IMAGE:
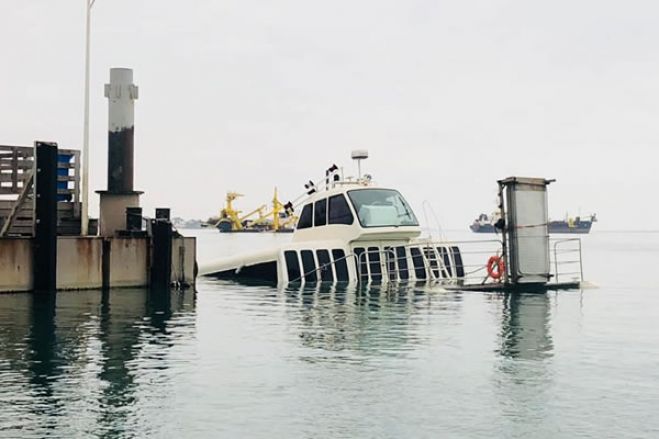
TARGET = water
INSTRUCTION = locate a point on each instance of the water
(239, 361)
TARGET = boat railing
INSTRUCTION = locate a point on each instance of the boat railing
(443, 262)
(448, 262)
(567, 260)
(459, 262)
(385, 256)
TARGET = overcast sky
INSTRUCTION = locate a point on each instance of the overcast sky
(448, 96)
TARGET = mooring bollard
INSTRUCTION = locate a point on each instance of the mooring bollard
(45, 219)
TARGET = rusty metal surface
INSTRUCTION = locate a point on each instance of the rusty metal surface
(120, 160)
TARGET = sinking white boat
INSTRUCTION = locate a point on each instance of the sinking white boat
(348, 230)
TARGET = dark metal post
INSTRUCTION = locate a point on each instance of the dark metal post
(504, 234)
(163, 213)
(105, 263)
(161, 266)
(45, 219)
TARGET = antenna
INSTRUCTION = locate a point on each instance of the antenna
(359, 155)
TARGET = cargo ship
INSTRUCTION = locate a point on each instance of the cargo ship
(494, 224)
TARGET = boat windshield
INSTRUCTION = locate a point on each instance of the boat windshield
(382, 208)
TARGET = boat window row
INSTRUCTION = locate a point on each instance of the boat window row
(332, 210)
(322, 265)
(375, 264)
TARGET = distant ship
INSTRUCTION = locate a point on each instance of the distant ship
(493, 224)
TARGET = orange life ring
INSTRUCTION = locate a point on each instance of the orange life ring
(495, 267)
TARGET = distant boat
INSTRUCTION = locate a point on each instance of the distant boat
(493, 224)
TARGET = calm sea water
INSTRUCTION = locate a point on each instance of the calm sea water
(240, 361)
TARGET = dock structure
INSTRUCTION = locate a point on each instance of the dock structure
(17, 191)
(41, 248)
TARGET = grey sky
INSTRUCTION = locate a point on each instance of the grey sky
(447, 97)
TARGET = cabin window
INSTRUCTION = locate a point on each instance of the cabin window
(292, 265)
(417, 260)
(324, 266)
(306, 219)
(320, 212)
(401, 256)
(340, 265)
(339, 211)
(309, 265)
(382, 208)
(374, 263)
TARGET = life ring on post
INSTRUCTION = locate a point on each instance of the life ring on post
(495, 267)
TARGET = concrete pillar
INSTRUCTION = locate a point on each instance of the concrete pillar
(121, 94)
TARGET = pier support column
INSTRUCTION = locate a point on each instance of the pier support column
(121, 94)
(45, 219)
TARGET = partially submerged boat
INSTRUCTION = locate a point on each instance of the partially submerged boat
(350, 230)
(353, 230)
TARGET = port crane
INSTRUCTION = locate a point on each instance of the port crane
(275, 213)
(231, 219)
(232, 216)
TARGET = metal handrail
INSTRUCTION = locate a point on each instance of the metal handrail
(580, 260)
(366, 252)
(449, 244)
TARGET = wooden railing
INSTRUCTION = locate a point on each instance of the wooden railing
(16, 190)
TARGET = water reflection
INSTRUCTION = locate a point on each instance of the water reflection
(131, 322)
(379, 320)
(41, 355)
(41, 358)
(385, 318)
(525, 326)
(119, 338)
(77, 345)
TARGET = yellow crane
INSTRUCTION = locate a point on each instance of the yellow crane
(278, 223)
(230, 218)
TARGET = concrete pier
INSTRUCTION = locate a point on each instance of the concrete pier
(123, 255)
(80, 263)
